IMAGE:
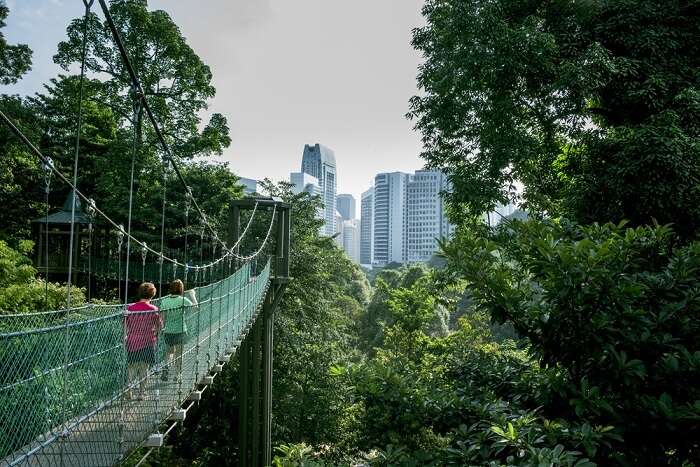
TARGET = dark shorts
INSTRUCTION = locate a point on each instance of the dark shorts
(145, 355)
(175, 339)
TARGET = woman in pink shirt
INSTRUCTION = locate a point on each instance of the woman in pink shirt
(142, 323)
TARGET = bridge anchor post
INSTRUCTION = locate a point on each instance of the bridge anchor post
(256, 352)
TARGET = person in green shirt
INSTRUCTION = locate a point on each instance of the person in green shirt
(174, 309)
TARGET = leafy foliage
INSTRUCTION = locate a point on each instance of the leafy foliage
(175, 81)
(15, 60)
(615, 309)
(21, 291)
(592, 106)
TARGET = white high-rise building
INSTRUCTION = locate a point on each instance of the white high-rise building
(366, 222)
(351, 239)
(250, 185)
(305, 183)
(426, 220)
(389, 232)
(346, 206)
(319, 161)
(338, 235)
(408, 217)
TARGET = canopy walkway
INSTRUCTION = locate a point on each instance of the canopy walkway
(66, 384)
(64, 398)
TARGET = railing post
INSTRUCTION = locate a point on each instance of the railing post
(268, 318)
(255, 396)
(243, 406)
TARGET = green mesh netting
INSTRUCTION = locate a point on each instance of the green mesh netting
(65, 385)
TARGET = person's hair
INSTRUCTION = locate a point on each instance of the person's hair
(177, 287)
(147, 290)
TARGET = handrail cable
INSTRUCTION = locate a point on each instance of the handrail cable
(47, 161)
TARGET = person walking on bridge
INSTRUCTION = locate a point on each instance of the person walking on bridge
(174, 309)
(142, 323)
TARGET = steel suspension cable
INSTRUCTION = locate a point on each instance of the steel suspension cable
(47, 189)
(69, 282)
(264, 243)
(46, 160)
(134, 150)
(79, 128)
(162, 230)
(136, 83)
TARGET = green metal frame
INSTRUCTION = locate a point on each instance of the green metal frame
(256, 354)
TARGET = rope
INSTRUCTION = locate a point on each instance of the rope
(47, 189)
(136, 83)
(134, 150)
(76, 158)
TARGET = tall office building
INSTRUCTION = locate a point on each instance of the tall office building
(250, 185)
(426, 221)
(338, 234)
(366, 222)
(305, 183)
(351, 239)
(346, 206)
(408, 217)
(319, 161)
(389, 217)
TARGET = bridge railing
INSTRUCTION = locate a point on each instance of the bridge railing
(65, 385)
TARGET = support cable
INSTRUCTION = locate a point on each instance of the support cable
(159, 134)
(264, 243)
(162, 230)
(78, 132)
(134, 150)
(69, 282)
(47, 166)
(46, 161)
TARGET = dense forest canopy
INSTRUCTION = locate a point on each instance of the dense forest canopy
(569, 339)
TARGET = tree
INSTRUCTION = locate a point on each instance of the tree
(22, 292)
(175, 81)
(593, 106)
(17, 167)
(314, 334)
(15, 60)
(21, 178)
(614, 311)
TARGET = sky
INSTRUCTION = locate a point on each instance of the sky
(334, 72)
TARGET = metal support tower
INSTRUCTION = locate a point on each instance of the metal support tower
(256, 352)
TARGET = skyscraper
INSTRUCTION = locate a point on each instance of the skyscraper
(250, 185)
(366, 222)
(346, 206)
(389, 217)
(319, 161)
(351, 239)
(426, 221)
(408, 217)
(303, 182)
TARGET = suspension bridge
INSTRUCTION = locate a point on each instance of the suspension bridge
(66, 389)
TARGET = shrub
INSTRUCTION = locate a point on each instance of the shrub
(616, 310)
